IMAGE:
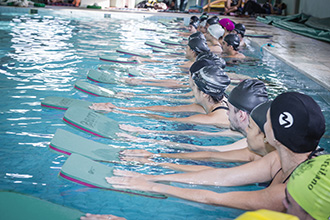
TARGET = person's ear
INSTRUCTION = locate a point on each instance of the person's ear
(243, 116)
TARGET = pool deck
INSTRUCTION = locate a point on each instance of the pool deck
(307, 55)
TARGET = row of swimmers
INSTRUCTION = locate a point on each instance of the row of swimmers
(280, 145)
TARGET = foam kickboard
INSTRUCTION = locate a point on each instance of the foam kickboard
(158, 50)
(94, 89)
(129, 52)
(102, 76)
(65, 142)
(92, 122)
(157, 45)
(16, 206)
(116, 59)
(63, 103)
(84, 171)
(170, 42)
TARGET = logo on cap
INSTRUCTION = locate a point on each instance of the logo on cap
(285, 119)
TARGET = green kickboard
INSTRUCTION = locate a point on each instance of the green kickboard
(92, 122)
(93, 89)
(63, 103)
(170, 42)
(65, 142)
(102, 76)
(112, 68)
(157, 50)
(134, 72)
(153, 44)
(130, 52)
(17, 206)
(84, 171)
(117, 59)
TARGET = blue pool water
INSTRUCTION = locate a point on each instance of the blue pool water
(43, 55)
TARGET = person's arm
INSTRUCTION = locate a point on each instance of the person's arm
(173, 166)
(241, 155)
(107, 106)
(269, 198)
(184, 146)
(169, 83)
(216, 49)
(204, 119)
(235, 176)
(226, 133)
(142, 59)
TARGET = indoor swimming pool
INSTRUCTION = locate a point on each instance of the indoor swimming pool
(44, 55)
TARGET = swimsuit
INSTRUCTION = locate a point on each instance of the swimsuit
(220, 107)
(312, 154)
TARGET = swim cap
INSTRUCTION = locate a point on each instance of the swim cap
(240, 29)
(204, 17)
(309, 186)
(232, 40)
(211, 80)
(216, 31)
(194, 19)
(197, 35)
(197, 43)
(259, 113)
(264, 214)
(194, 23)
(227, 24)
(213, 20)
(212, 58)
(297, 121)
(248, 94)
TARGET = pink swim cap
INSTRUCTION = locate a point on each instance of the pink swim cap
(227, 24)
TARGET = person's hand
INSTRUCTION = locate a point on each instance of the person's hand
(140, 160)
(137, 153)
(133, 81)
(101, 217)
(131, 128)
(136, 58)
(106, 106)
(125, 95)
(133, 183)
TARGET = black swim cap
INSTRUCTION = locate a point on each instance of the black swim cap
(233, 40)
(194, 19)
(297, 121)
(197, 35)
(197, 43)
(211, 80)
(213, 20)
(203, 17)
(218, 61)
(240, 29)
(259, 114)
(248, 94)
(195, 24)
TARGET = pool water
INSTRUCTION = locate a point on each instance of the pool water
(44, 55)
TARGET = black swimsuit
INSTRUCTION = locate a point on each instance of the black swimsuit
(220, 107)
(312, 154)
